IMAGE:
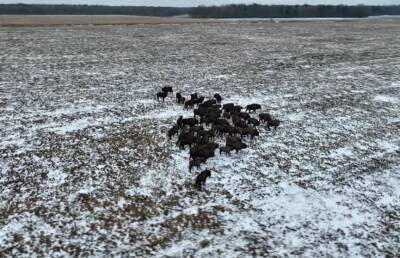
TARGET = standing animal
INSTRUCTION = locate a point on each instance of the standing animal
(193, 96)
(253, 107)
(195, 163)
(218, 97)
(265, 117)
(162, 95)
(178, 97)
(253, 121)
(201, 178)
(189, 103)
(226, 149)
(167, 89)
(273, 123)
(174, 130)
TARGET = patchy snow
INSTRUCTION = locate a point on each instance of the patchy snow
(87, 169)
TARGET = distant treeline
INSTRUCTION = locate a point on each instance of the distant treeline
(291, 11)
(61, 9)
(224, 11)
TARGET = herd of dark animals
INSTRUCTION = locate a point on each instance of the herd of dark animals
(201, 143)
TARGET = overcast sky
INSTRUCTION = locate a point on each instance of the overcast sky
(202, 2)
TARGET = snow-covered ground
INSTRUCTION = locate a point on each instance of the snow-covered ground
(86, 168)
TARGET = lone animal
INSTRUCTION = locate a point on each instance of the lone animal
(253, 107)
(167, 89)
(273, 123)
(265, 117)
(218, 97)
(201, 178)
(162, 95)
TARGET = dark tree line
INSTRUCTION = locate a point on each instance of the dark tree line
(291, 11)
(225, 11)
(61, 9)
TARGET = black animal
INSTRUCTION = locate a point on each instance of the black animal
(178, 97)
(182, 100)
(265, 117)
(253, 107)
(174, 130)
(189, 121)
(201, 178)
(273, 123)
(167, 89)
(162, 95)
(189, 103)
(179, 122)
(218, 97)
(199, 100)
(208, 103)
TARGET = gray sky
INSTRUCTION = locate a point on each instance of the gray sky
(202, 2)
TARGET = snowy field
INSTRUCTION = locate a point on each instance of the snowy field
(86, 168)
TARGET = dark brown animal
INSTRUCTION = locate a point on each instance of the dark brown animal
(162, 95)
(185, 138)
(193, 96)
(201, 178)
(250, 131)
(204, 151)
(273, 123)
(253, 121)
(228, 107)
(237, 146)
(226, 149)
(253, 107)
(244, 115)
(195, 163)
(265, 117)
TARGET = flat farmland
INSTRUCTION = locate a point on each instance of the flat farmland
(87, 169)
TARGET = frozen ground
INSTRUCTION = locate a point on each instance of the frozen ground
(87, 170)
